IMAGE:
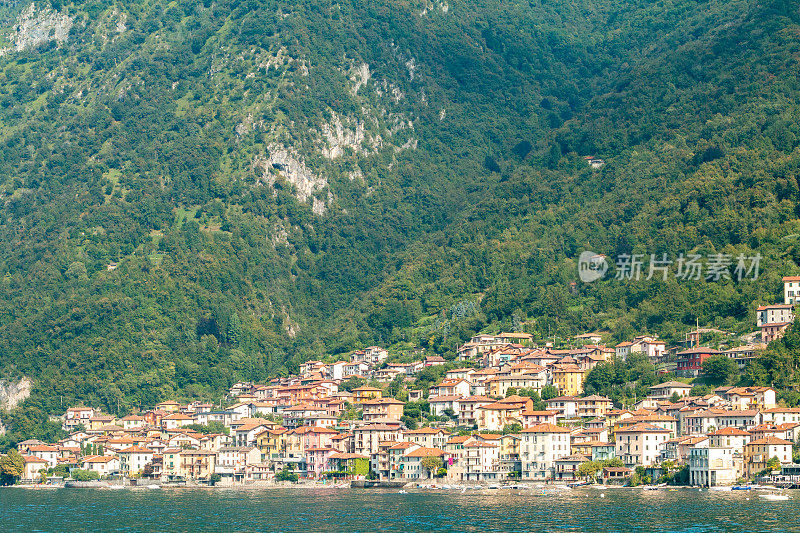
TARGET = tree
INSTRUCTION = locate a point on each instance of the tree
(774, 464)
(79, 474)
(12, 467)
(352, 383)
(431, 464)
(589, 469)
(549, 392)
(212, 427)
(286, 475)
(395, 386)
(234, 332)
(719, 369)
(675, 398)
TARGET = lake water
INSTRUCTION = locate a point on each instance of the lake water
(312, 510)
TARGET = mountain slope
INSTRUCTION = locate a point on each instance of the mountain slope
(203, 192)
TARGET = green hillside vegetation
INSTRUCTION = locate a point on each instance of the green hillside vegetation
(156, 245)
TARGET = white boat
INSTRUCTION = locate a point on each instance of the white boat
(494, 486)
(775, 497)
(153, 487)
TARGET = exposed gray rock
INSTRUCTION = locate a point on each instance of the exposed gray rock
(12, 393)
(38, 26)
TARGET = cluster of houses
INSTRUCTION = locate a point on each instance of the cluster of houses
(482, 428)
(483, 424)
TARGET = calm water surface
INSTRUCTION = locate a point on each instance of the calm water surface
(383, 510)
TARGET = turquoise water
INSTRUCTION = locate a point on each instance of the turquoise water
(312, 510)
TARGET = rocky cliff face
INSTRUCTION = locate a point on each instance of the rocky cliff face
(38, 26)
(12, 393)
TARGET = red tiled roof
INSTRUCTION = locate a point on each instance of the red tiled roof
(770, 440)
(643, 427)
(730, 431)
(425, 452)
(136, 449)
(546, 428)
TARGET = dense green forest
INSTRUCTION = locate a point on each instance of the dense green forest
(199, 192)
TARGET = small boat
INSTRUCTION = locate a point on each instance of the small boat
(494, 486)
(775, 497)
(402, 492)
(741, 487)
(153, 487)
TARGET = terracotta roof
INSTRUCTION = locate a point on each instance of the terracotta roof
(479, 444)
(770, 440)
(701, 349)
(731, 431)
(443, 398)
(136, 449)
(643, 427)
(596, 398)
(744, 412)
(574, 457)
(546, 428)
(425, 431)
(425, 452)
(651, 417)
(42, 448)
(110, 427)
(671, 384)
(249, 426)
(347, 456)
(178, 416)
(98, 459)
(515, 399)
(476, 399)
(383, 401)
(377, 427)
(563, 399)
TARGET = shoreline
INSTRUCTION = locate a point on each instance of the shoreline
(522, 489)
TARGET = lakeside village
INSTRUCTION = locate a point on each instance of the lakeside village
(313, 428)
